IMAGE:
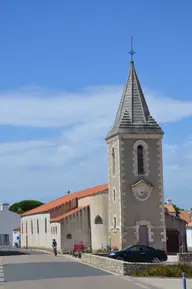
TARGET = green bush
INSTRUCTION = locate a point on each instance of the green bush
(164, 271)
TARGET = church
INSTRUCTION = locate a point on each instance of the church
(130, 209)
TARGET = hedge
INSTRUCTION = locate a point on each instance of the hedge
(175, 270)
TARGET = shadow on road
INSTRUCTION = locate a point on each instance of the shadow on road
(49, 270)
(12, 253)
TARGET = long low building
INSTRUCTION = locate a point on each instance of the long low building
(83, 217)
(80, 216)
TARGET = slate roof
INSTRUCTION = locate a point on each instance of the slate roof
(133, 115)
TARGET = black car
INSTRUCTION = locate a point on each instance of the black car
(139, 253)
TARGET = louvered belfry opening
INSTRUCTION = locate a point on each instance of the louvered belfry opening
(140, 159)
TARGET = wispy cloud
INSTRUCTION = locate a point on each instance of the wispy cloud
(42, 108)
(77, 158)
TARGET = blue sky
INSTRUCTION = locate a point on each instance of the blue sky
(62, 69)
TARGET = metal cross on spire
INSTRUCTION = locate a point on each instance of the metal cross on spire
(132, 52)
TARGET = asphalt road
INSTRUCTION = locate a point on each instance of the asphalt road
(32, 270)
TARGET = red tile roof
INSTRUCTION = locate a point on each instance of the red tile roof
(170, 208)
(69, 197)
(59, 218)
(184, 215)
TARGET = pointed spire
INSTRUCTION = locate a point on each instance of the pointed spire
(133, 115)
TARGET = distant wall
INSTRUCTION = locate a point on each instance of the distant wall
(8, 221)
(189, 238)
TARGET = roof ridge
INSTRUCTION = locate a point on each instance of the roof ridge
(66, 214)
(65, 198)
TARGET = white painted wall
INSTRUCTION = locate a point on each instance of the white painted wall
(32, 239)
(8, 221)
(189, 238)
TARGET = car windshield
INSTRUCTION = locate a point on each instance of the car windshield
(127, 248)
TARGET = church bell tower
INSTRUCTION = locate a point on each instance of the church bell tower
(135, 176)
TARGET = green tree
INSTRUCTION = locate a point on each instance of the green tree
(24, 206)
(177, 208)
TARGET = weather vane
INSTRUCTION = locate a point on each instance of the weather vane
(131, 52)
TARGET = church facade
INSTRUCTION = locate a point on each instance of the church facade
(130, 209)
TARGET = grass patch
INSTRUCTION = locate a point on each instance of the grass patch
(175, 270)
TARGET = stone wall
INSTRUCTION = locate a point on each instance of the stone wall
(185, 257)
(112, 265)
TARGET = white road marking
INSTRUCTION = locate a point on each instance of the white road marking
(131, 279)
(142, 285)
(2, 280)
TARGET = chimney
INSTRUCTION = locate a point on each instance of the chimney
(4, 206)
(169, 201)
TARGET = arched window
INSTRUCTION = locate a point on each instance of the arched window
(114, 222)
(45, 225)
(98, 220)
(37, 226)
(31, 227)
(113, 160)
(114, 195)
(140, 159)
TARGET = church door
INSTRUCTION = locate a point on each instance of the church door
(143, 235)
